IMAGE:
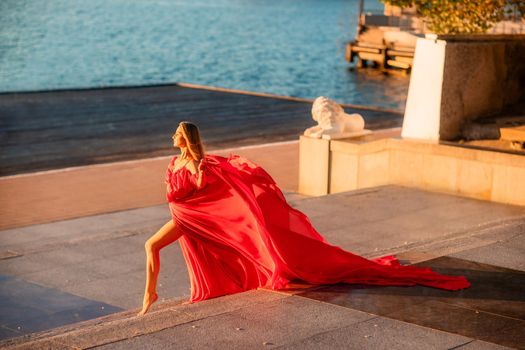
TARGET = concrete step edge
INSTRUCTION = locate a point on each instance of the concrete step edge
(126, 324)
(417, 252)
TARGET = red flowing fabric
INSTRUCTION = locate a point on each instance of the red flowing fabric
(239, 233)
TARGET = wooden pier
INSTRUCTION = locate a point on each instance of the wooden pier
(57, 129)
(386, 40)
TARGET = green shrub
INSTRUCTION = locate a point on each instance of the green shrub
(462, 16)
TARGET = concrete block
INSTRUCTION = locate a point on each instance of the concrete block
(406, 168)
(508, 185)
(313, 166)
(474, 179)
(374, 169)
(439, 173)
(343, 172)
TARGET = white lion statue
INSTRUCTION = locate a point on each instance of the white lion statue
(333, 122)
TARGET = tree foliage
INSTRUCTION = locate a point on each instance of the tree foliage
(462, 16)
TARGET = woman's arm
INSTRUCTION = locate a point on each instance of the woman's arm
(201, 179)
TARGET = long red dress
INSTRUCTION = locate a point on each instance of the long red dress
(239, 233)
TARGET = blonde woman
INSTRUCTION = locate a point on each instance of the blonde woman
(237, 233)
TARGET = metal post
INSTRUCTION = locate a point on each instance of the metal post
(359, 17)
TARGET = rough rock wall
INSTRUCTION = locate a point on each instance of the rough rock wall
(481, 78)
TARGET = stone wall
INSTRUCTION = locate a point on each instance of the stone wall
(457, 79)
(351, 164)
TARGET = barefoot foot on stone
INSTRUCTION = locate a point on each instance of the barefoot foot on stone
(148, 301)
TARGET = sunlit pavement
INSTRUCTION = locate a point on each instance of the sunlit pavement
(73, 270)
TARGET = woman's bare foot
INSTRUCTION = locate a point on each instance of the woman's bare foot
(148, 301)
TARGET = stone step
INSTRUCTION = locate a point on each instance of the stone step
(516, 133)
(102, 257)
(308, 314)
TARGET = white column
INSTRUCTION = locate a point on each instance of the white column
(423, 107)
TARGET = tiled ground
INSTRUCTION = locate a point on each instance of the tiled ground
(492, 309)
(99, 261)
(27, 307)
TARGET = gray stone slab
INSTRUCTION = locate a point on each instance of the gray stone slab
(126, 325)
(125, 291)
(256, 319)
(113, 331)
(482, 345)
(6, 333)
(126, 288)
(475, 324)
(275, 323)
(96, 227)
(491, 309)
(380, 333)
(387, 202)
(100, 267)
(150, 341)
(230, 303)
(62, 276)
(392, 216)
(102, 257)
(26, 308)
(508, 253)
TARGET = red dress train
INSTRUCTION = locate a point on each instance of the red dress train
(239, 233)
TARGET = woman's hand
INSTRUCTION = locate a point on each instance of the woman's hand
(201, 165)
(201, 180)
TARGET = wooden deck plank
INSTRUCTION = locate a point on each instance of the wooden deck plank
(55, 129)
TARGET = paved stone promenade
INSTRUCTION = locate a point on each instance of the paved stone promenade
(94, 266)
(61, 194)
(86, 276)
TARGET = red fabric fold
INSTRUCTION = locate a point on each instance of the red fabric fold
(239, 233)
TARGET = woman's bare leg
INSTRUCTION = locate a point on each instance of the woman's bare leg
(168, 233)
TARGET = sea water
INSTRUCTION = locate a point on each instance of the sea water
(286, 47)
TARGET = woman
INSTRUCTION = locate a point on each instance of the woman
(237, 233)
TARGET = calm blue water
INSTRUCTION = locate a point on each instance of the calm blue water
(287, 47)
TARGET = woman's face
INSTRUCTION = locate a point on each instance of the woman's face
(178, 139)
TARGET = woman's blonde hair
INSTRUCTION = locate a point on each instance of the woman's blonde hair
(191, 134)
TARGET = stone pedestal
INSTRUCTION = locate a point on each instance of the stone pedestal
(375, 160)
(314, 161)
(331, 166)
